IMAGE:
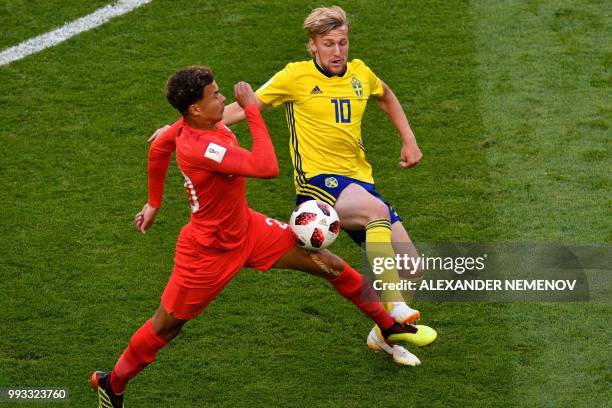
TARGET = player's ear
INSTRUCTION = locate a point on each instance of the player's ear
(311, 46)
(194, 110)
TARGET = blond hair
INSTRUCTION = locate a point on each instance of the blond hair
(324, 19)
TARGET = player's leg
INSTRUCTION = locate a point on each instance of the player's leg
(358, 204)
(354, 287)
(358, 209)
(274, 246)
(141, 351)
(179, 305)
(207, 276)
(143, 347)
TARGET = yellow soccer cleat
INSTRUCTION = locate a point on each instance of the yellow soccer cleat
(424, 336)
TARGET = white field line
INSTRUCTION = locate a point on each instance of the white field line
(95, 19)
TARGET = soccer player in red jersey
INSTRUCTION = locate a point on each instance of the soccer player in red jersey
(224, 234)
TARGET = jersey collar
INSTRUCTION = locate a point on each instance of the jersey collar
(327, 74)
(219, 127)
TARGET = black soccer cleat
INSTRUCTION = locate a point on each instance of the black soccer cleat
(398, 329)
(100, 383)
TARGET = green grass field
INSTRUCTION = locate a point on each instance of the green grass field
(510, 102)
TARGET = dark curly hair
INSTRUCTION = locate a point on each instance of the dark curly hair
(186, 86)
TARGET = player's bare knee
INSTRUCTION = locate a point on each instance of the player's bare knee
(171, 330)
(377, 210)
(165, 325)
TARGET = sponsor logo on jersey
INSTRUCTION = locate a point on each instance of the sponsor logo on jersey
(316, 90)
(331, 182)
(215, 152)
(357, 87)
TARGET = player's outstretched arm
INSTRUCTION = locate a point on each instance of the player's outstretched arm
(263, 156)
(388, 102)
(226, 158)
(237, 161)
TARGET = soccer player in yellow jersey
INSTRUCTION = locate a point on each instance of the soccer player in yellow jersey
(325, 99)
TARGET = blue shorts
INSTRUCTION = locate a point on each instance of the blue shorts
(327, 187)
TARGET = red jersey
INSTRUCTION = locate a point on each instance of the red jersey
(214, 167)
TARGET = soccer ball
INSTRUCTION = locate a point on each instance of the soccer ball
(315, 225)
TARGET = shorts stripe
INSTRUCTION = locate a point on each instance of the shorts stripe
(304, 191)
(318, 191)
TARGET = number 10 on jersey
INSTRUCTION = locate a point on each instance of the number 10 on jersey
(343, 110)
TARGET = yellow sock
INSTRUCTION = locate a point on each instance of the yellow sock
(378, 245)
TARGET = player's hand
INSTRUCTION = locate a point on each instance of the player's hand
(410, 155)
(145, 218)
(158, 133)
(244, 94)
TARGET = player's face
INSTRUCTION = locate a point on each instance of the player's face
(331, 49)
(210, 107)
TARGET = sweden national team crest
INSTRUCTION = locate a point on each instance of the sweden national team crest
(357, 87)
(331, 182)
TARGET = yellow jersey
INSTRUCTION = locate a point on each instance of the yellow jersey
(324, 115)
